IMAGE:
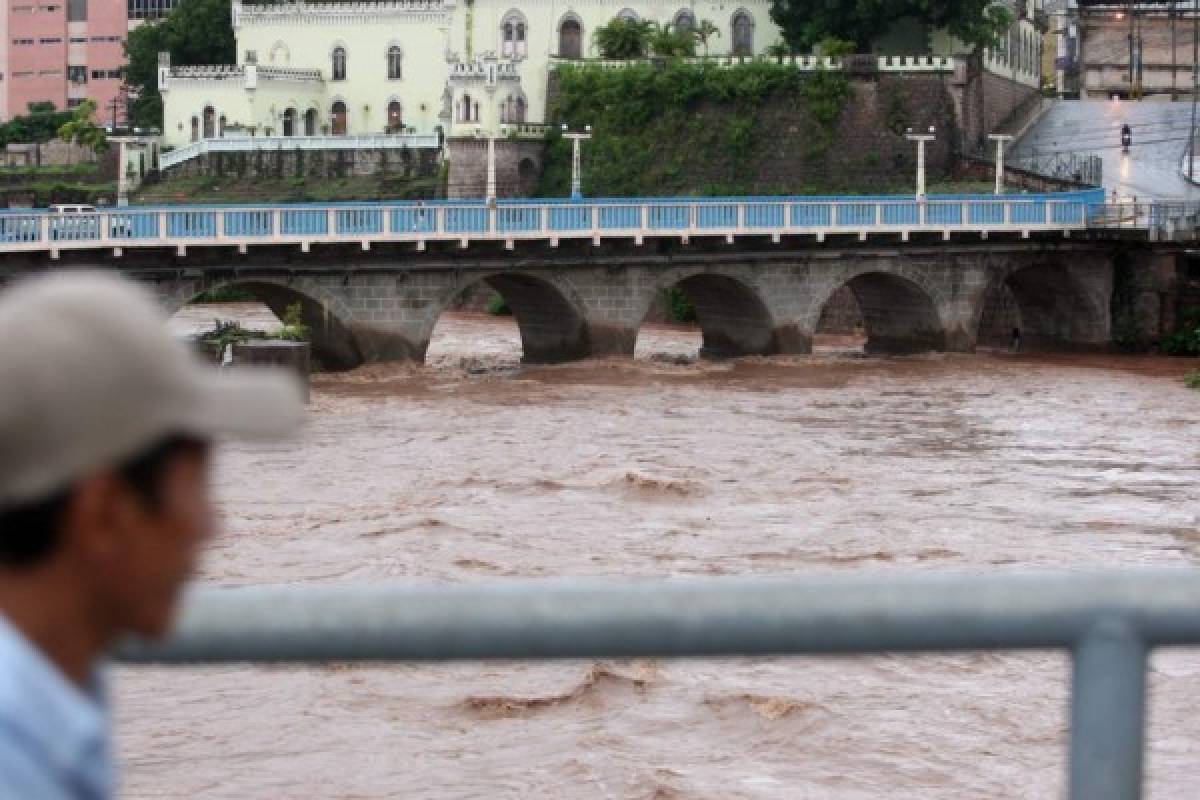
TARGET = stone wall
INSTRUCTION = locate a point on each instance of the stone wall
(518, 167)
(985, 101)
(310, 164)
(869, 152)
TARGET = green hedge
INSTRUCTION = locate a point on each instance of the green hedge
(652, 121)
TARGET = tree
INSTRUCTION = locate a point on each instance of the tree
(704, 31)
(83, 131)
(195, 32)
(624, 38)
(671, 42)
(41, 124)
(978, 23)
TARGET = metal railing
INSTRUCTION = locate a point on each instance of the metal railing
(251, 144)
(548, 220)
(1108, 622)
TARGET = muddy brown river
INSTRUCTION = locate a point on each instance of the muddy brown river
(475, 470)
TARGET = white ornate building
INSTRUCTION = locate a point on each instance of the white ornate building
(362, 67)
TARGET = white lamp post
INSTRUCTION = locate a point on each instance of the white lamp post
(576, 179)
(921, 139)
(1000, 139)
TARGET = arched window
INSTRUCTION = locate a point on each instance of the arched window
(685, 21)
(195, 128)
(570, 39)
(743, 34)
(394, 59)
(221, 126)
(289, 122)
(338, 118)
(339, 63)
(395, 118)
(520, 115)
(279, 54)
(465, 108)
(627, 14)
(210, 122)
(310, 122)
(513, 36)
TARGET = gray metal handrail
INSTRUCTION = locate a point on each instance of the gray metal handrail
(1107, 621)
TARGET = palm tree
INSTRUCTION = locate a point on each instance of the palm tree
(704, 30)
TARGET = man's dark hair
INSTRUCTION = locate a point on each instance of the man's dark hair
(29, 533)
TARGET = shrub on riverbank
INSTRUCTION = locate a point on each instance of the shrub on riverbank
(1185, 341)
(1192, 379)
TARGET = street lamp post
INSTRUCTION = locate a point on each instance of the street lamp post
(1000, 139)
(576, 178)
(921, 139)
(490, 191)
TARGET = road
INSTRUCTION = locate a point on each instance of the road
(1093, 127)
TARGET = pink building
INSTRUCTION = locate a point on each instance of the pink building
(63, 52)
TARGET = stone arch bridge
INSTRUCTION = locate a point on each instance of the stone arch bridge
(578, 300)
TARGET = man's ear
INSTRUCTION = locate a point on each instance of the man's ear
(97, 515)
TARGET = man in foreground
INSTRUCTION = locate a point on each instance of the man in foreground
(106, 427)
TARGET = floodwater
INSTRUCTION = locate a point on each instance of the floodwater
(475, 470)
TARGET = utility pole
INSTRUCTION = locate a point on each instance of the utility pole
(1000, 139)
(921, 139)
(1195, 86)
(576, 177)
(1172, 14)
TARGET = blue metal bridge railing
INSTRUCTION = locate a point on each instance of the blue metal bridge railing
(554, 219)
(1108, 622)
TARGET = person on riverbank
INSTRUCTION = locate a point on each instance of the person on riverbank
(106, 429)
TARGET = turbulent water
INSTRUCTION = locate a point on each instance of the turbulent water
(473, 470)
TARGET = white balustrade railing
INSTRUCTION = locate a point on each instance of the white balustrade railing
(250, 144)
(800, 62)
(551, 221)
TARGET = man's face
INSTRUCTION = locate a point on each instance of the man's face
(153, 548)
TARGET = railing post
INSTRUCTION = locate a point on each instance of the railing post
(219, 225)
(439, 220)
(544, 218)
(105, 222)
(162, 225)
(645, 216)
(741, 218)
(1049, 213)
(1007, 212)
(331, 223)
(276, 224)
(595, 220)
(1108, 710)
(879, 215)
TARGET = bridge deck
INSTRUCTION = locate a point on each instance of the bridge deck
(418, 222)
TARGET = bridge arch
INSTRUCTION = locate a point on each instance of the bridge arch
(899, 313)
(733, 317)
(329, 321)
(1052, 304)
(550, 315)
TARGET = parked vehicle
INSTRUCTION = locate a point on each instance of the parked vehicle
(80, 221)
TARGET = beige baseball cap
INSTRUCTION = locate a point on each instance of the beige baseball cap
(90, 377)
